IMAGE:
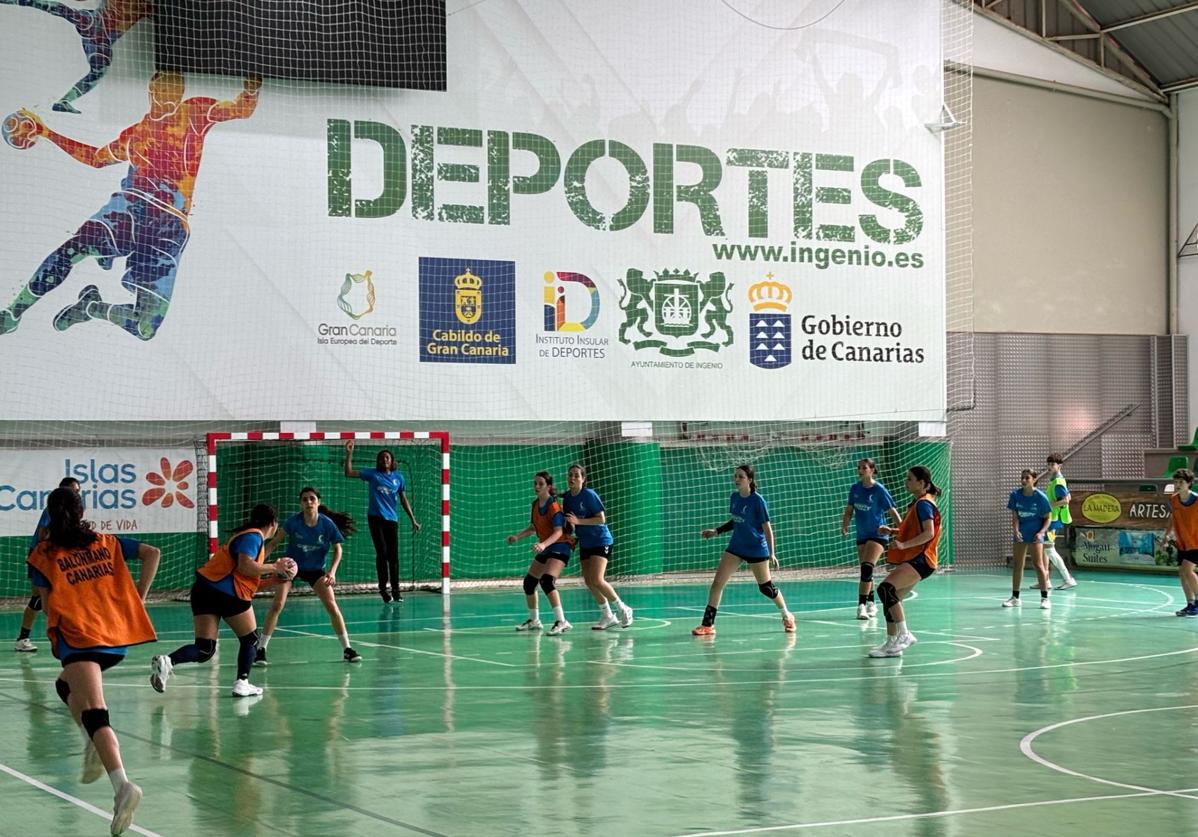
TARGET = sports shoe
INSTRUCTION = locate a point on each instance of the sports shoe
(904, 641)
(93, 768)
(1045, 604)
(871, 609)
(25, 645)
(8, 322)
(1191, 609)
(605, 622)
(704, 630)
(1067, 584)
(625, 616)
(160, 671)
(1183, 612)
(351, 656)
(386, 596)
(886, 649)
(530, 625)
(260, 657)
(76, 312)
(862, 612)
(396, 595)
(1014, 601)
(560, 626)
(123, 805)
(244, 688)
(788, 623)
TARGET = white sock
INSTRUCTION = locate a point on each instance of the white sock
(617, 604)
(534, 614)
(264, 641)
(900, 628)
(605, 609)
(559, 614)
(118, 778)
(344, 640)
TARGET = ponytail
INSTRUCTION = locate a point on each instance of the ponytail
(67, 527)
(751, 474)
(344, 523)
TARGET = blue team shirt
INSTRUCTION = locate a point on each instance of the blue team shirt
(586, 503)
(247, 543)
(870, 506)
(749, 516)
(1031, 509)
(43, 522)
(310, 545)
(384, 491)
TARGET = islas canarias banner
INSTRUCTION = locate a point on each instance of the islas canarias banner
(620, 210)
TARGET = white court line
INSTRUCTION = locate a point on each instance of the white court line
(366, 644)
(928, 815)
(1025, 746)
(86, 806)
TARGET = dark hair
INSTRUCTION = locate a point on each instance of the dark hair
(868, 463)
(548, 477)
(67, 527)
(378, 460)
(924, 475)
(262, 516)
(69, 482)
(343, 521)
(581, 469)
(1184, 474)
(751, 474)
(1055, 457)
(1028, 472)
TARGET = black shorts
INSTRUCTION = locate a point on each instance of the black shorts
(206, 600)
(1190, 555)
(543, 557)
(882, 542)
(748, 559)
(103, 660)
(310, 576)
(920, 564)
(585, 552)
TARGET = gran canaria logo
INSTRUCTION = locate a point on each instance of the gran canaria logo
(356, 297)
(769, 324)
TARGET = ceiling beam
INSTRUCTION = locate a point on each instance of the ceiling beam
(1150, 17)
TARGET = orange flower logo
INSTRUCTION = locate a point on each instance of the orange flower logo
(169, 485)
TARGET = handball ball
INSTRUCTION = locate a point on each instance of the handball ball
(19, 131)
(288, 567)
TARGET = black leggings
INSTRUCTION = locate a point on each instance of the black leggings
(385, 534)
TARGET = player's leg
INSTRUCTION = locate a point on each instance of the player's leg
(24, 643)
(97, 48)
(1018, 556)
(868, 555)
(727, 566)
(245, 627)
(765, 583)
(272, 621)
(548, 583)
(324, 592)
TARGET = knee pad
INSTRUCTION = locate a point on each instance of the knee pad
(888, 593)
(94, 720)
(205, 648)
(530, 584)
(249, 639)
(867, 573)
(548, 583)
(768, 589)
(63, 688)
(35, 602)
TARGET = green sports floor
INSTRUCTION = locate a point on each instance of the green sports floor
(1074, 721)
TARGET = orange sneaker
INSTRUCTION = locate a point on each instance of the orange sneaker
(704, 630)
(788, 623)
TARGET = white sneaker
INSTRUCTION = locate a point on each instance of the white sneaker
(1014, 601)
(871, 609)
(25, 645)
(123, 805)
(530, 625)
(93, 768)
(1067, 583)
(886, 649)
(560, 626)
(243, 688)
(904, 641)
(862, 612)
(1045, 604)
(605, 622)
(625, 616)
(160, 671)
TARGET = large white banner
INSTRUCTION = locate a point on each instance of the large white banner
(619, 210)
(126, 491)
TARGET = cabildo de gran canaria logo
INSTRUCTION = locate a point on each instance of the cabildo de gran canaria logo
(669, 310)
(356, 299)
(769, 324)
(467, 311)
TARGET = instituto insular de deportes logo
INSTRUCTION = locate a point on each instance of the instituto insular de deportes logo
(676, 312)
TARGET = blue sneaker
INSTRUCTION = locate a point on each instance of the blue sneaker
(1192, 609)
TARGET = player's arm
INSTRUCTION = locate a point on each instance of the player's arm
(241, 107)
(149, 557)
(719, 530)
(1044, 526)
(407, 507)
(1015, 526)
(95, 156)
(845, 519)
(927, 531)
(349, 460)
(332, 572)
(541, 546)
(597, 520)
(895, 516)
(521, 535)
(247, 566)
(277, 538)
(768, 529)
